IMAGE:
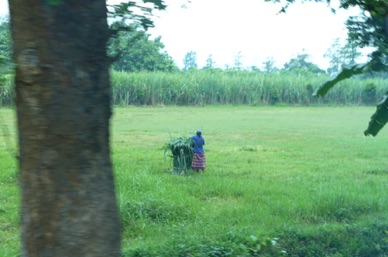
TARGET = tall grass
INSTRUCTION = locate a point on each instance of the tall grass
(214, 87)
(207, 87)
(6, 90)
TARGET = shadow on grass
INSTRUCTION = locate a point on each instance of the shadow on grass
(377, 172)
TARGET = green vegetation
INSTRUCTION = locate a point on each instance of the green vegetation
(300, 180)
(301, 63)
(212, 86)
(281, 181)
(181, 151)
(9, 191)
(133, 50)
(7, 90)
(5, 45)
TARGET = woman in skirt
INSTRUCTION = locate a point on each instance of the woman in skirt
(199, 160)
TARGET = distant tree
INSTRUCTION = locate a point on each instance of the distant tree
(228, 67)
(334, 54)
(269, 65)
(5, 60)
(5, 45)
(301, 63)
(367, 29)
(237, 61)
(190, 61)
(209, 62)
(342, 55)
(135, 51)
(350, 53)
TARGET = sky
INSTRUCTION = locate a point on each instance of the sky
(253, 28)
(223, 28)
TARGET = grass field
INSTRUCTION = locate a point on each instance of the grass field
(280, 181)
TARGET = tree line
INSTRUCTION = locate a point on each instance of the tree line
(133, 49)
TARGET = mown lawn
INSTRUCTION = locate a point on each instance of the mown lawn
(302, 178)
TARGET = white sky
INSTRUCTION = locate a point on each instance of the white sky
(225, 27)
(254, 27)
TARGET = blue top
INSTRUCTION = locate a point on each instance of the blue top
(199, 142)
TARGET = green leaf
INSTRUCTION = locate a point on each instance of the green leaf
(379, 118)
(159, 4)
(345, 73)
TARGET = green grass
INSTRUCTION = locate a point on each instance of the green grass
(9, 194)
(306, 176)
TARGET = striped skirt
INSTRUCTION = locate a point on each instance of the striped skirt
(199, 161)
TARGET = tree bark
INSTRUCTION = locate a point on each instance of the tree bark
(68, 204)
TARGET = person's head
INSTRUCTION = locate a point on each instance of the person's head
(199, 132)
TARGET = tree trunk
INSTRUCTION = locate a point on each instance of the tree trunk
(68, 204)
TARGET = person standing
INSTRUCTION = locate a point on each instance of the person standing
(199, 159)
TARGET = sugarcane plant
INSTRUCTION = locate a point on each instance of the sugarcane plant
(181, 152)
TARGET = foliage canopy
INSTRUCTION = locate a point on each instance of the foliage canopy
(133, 50)
(5, 46)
